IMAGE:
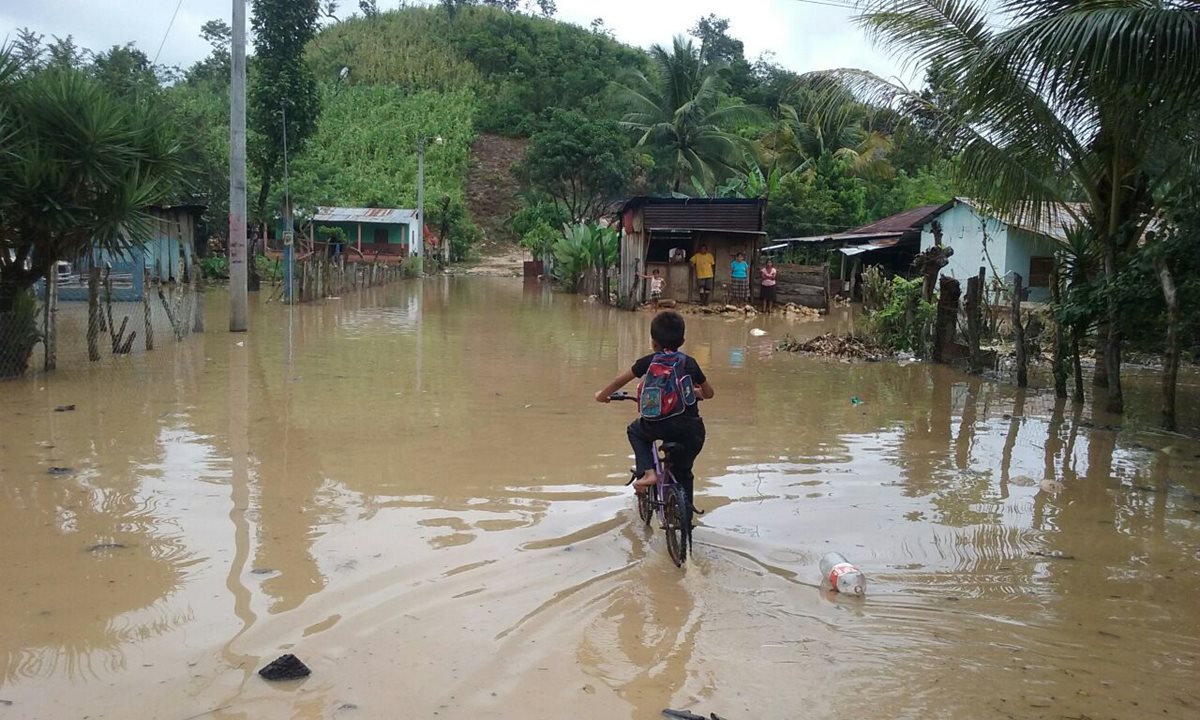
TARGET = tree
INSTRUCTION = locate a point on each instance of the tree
(125, 70)
(79, 168)
(580, 163)
(716, 46)
(369, 8)
(1066, 100)
(283, 85)
(680, 113)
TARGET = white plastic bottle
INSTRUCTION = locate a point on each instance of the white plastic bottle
(842, 575)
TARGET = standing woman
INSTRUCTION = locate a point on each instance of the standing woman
(768, 275)
(739, 273)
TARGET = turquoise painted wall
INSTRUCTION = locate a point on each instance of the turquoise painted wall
(962, 229)
(397, 234)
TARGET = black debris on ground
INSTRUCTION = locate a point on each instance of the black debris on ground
(285, 667)
(55, 470)
(64, 408)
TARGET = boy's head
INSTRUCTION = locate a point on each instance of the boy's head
(741, 256)
(655, 272)
(703, 248)
(666, 330)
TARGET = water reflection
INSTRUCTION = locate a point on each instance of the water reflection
(418, 466)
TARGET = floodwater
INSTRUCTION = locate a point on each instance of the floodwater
(413, 492)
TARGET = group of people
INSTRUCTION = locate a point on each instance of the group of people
(739, 274)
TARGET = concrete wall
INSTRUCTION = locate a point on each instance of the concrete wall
(963, 230)
(1023, 246)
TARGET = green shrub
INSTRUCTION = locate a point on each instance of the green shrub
(904, 321)
(18, 334)
(580, 251)
(215, 267)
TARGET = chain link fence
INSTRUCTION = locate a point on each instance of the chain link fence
(97, 318)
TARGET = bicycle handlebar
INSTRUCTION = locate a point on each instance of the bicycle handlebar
(622, 396)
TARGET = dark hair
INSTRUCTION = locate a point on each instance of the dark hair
(667, 328)
(741, 254)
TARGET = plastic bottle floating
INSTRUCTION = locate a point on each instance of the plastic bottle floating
(842, 575)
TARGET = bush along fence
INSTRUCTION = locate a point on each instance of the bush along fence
(319, 276)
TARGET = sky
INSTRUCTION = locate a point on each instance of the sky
(802, 35)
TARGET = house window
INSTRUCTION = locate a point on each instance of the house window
(381, 236)
(1039, 271)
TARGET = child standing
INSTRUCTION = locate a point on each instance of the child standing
(674, 419)
(658, 284)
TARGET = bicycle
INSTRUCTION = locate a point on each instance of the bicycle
(667, 497)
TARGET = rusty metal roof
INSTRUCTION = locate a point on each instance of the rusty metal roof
(383, 216)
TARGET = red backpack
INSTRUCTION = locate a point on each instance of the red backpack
(666, 390)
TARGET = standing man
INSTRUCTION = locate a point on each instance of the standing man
(704, 263)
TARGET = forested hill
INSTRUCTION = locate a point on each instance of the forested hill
(461, 73)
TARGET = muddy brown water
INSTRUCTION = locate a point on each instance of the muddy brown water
(412, 491)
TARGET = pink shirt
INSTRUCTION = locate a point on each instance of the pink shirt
(768, 275)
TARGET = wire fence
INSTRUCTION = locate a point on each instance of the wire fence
(96, 319)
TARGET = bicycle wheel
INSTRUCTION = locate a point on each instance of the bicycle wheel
(678, 523)
(645, 503)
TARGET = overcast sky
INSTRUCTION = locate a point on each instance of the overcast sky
(802, 34)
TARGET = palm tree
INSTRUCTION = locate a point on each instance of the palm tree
(679, 111)
(79, 168)
(1062, 100)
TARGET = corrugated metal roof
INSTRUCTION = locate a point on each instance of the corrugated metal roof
(385, 216)
(1053, 220)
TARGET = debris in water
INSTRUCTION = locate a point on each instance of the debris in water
(64, 408)
(1052, 554)
(285, 667)
(261, 571)
(1022, 481)
(106, 546)
(241, 343)
(55, 470)
(831, 345)
(856, 401)
(1053, 487)
(352, 706)
(686, 715)
(757, 332)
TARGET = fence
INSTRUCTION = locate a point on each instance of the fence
(320, 276)
(111, 313)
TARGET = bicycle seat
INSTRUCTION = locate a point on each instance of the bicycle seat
(671, 448)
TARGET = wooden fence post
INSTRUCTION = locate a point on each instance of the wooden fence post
(148, 340)
(1019, 332)
(974, 301)
(1060, 342)
(946, 320)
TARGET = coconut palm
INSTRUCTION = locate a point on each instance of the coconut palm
(1058, 100)
(79, 167)
(679, 111)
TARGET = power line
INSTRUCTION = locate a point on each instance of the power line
(829, 3)
(168, 32)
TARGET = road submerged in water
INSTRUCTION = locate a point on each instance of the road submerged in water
(411, 490)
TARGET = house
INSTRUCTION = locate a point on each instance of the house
(664, 233)
(372, 233)
(167, 256)
(980, 240)
(1001, 246)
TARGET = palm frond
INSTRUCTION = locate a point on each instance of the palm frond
(920, 30)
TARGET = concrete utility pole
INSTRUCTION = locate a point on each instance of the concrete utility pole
(237, 173)
(289, 230)
(420, 229)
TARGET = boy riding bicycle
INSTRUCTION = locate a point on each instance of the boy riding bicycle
(667, 399)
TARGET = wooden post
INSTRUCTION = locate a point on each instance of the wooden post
(197, 296)
(1171, 353)
(946, 320)
(1060, 343)
(148, 337)
(93, 331)
(974, 301)
(1019, 332)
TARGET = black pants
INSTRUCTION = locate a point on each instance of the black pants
(686, 430)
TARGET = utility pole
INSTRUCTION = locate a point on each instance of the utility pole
(289, 231)
(237, 173)
(420, 192)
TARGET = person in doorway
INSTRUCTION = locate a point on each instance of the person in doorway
(658, 284)
(704, 262)
(768, 276)
(739, 274)
(676, 417)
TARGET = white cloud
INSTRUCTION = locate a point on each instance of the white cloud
(802, 35)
